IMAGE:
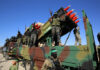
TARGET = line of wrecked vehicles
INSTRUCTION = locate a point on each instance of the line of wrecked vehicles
(82, 57)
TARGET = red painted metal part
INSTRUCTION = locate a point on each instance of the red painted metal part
(69, 12)
(71, 16)
(75, 18)
(76, 21)
(66, 8)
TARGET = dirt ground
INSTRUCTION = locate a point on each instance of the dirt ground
(5, 64)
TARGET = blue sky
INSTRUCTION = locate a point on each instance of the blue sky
(15, 14)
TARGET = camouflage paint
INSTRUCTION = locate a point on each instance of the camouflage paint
(70, 56)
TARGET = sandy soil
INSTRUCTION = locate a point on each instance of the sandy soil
(5, 64)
